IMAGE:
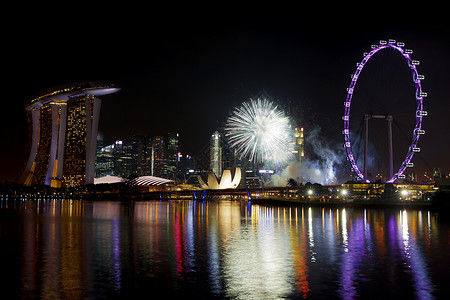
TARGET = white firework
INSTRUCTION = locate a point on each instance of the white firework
(258, 130)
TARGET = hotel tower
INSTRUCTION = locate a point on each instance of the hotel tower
(63, 126)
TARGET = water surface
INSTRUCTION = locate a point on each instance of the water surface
(223, 249)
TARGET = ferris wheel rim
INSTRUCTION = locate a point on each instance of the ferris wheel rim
(420, 113)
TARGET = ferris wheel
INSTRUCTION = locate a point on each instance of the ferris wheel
(420, 113)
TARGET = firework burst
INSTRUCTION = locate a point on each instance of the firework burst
(258, 130)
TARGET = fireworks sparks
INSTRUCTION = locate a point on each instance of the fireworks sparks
(258, 130)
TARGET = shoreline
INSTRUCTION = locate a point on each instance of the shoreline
(442, 203)
(357, 203)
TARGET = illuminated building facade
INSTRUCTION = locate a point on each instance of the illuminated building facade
(227, 181)
(158, 157)
(215, 154)
(64, 125)
(104, 164)
(140, 156)
(123, 159)
(172, 159)
(389, 192)
(299, 144)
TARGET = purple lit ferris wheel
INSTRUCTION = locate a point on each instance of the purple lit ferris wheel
(420, 113)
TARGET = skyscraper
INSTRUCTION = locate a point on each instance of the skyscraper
(104, 164)
(64, 125)
(172, 155)
(299, 144)
(215, 154)
(140, 156)
(123, 159)
(158, 157)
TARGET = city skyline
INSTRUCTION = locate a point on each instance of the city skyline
(189, 80)
(136, 128)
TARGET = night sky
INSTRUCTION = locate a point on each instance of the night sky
(186, 76)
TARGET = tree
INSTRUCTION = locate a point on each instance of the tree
(292, 183)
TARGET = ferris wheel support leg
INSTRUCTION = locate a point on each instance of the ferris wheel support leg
(391, 154)
(366, 142)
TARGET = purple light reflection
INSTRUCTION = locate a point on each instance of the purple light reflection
(414, 259)
(356, 249)
(115, 257)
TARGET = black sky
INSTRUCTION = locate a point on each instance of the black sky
(186, 75)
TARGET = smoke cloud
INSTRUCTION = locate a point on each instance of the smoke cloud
(320, 169)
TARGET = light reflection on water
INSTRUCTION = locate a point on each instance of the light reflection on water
(79, 249)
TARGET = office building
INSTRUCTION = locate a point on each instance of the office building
(215, 154)
(123, 159)
(104, 164)
(299, 144)
(158, 157)
(172, 157)
(140, 156)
